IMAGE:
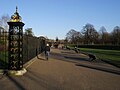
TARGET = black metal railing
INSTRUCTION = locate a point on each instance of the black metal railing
(32, 46)
(3, 49)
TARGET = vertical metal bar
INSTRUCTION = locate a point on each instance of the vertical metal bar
(27, 49)
(9, 47)
(5, 47)
(0, 45)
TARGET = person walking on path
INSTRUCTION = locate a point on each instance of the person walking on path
(47, 51)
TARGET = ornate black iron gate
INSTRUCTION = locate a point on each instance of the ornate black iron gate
(15, 47)
(15, 61)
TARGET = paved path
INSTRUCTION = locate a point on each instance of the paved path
(83, 60)
(56, 74)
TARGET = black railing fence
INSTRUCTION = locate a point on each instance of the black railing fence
(3, 48)
(32, 46)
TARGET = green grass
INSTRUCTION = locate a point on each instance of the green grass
(104, 54)
(110, 56)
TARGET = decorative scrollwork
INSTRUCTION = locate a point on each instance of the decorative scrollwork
(15, 41)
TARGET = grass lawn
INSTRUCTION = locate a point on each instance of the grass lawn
(113, 56)
(104, 54)
(110, 56)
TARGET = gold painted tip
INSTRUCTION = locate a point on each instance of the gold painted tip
(16, 17)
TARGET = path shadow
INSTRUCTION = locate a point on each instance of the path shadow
(73, 58)
(43, 80)
(3, 64)
(40, 58)
(83, 59)
(100, 69)
(67, 52)
(18, 85)
(77, 58)
(36, 79)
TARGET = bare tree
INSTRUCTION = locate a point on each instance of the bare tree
(103, 36)
(116, 35)
(29, 32)
(90, 34)
(70, 34)
(66, 41)
(3, 21)
(4, 28)
(73, 36)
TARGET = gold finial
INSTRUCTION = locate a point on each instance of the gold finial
(16, 17)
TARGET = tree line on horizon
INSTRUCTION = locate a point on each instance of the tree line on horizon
(89, 35)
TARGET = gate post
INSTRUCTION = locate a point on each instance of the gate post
(15, 53)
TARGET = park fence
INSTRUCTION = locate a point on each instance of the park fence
(3, 48)
(32, 46)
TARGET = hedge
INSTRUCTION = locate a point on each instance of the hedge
(106, 47)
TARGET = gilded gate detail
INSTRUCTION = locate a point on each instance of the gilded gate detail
(15, 61)
(16, 48)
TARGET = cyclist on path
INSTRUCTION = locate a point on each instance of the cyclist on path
(47, 51)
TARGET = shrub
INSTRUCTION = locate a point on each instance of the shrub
(106, 47)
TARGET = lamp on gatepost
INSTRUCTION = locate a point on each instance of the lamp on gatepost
(15, 54)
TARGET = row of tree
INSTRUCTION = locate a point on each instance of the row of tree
(89, 35)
